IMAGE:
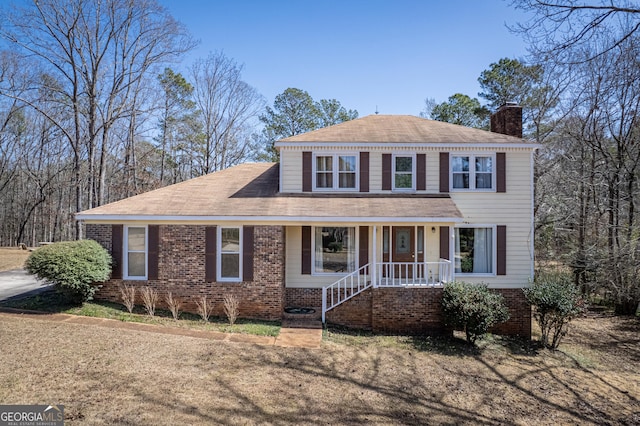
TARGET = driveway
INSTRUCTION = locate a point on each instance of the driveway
(17, 283)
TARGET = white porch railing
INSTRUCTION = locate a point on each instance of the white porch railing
(385, 274)
(345, 288)
(401, 274)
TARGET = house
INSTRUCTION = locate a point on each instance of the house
(364, 220)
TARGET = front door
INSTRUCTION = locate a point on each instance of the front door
(403, 248)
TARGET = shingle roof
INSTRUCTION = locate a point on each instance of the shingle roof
(400, 129)
(251, 190)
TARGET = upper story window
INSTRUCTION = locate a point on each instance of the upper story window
(135, 256)
(336, 172)
(403, 172)
(474, 172)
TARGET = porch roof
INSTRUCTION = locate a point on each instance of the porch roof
(249, 192)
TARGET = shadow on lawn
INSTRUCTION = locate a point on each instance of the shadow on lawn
(453, 344)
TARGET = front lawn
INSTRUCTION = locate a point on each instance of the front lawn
(109, 376)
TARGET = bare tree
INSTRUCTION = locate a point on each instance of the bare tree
(97, 51)
(559, 26)
(227, 106)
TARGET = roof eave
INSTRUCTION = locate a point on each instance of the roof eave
(124, 218)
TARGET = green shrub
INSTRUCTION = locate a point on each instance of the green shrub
(72, 266)
(557, 301)
(472, 308)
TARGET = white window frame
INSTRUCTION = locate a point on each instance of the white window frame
(313, 249)
(335, 158)
(494, 251)
(413, 172)
(472, 172)
(219, 253)
(126, 251)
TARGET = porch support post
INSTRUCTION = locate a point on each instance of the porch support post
(374, 263)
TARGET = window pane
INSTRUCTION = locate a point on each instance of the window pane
(420, 239)
(483, 164)
(474, 250)
(461, 180)
(483, 180)
(334, 249)
(324, 163)
(460, 164)
(347, 163)
(403, 181)
(324, 180)
(347, 180)
(230, 242)
(403, 164)
(136, 266)
(136, 239)
(230, 265)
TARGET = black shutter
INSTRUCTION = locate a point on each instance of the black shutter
(116, 251)
(501, 250)
(364, 172)
(306, 250)
(386, 172)
(501, 172)
(247, 253)
(444, 172)
(210, 237)
(152, 256)
(421, 172)
(444, 242)
(307, 169)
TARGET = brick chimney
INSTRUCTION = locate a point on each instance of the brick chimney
(508, 120)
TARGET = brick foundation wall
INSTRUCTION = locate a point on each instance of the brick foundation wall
(355, 312)
(418, 311)
(519, 323)
(407, 310)
(181, 260)
(303, 297)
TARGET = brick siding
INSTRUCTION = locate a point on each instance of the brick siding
(181, 271)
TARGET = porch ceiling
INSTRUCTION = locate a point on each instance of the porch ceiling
(251, 191)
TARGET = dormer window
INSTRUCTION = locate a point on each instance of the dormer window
(335, 172)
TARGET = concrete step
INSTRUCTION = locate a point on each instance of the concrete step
(302, 323)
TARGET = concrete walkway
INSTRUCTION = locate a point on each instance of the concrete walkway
(310, 338)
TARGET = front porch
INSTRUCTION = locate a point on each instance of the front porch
(385, 275)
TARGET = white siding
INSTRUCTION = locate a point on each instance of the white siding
(291, 169)
(512, 209)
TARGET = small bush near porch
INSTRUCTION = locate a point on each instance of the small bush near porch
(472, 308)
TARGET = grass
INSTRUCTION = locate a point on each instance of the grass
(12, 258)
(113, 376)
(53, 302)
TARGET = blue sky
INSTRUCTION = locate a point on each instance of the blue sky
(365, 53)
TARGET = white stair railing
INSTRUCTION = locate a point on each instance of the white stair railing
(345, 288)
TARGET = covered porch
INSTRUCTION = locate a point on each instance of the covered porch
(398, 256)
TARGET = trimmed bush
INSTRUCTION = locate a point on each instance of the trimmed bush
(72, 266)
(557, 301)
(472, 308)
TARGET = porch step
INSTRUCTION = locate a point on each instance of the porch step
(302, 323)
